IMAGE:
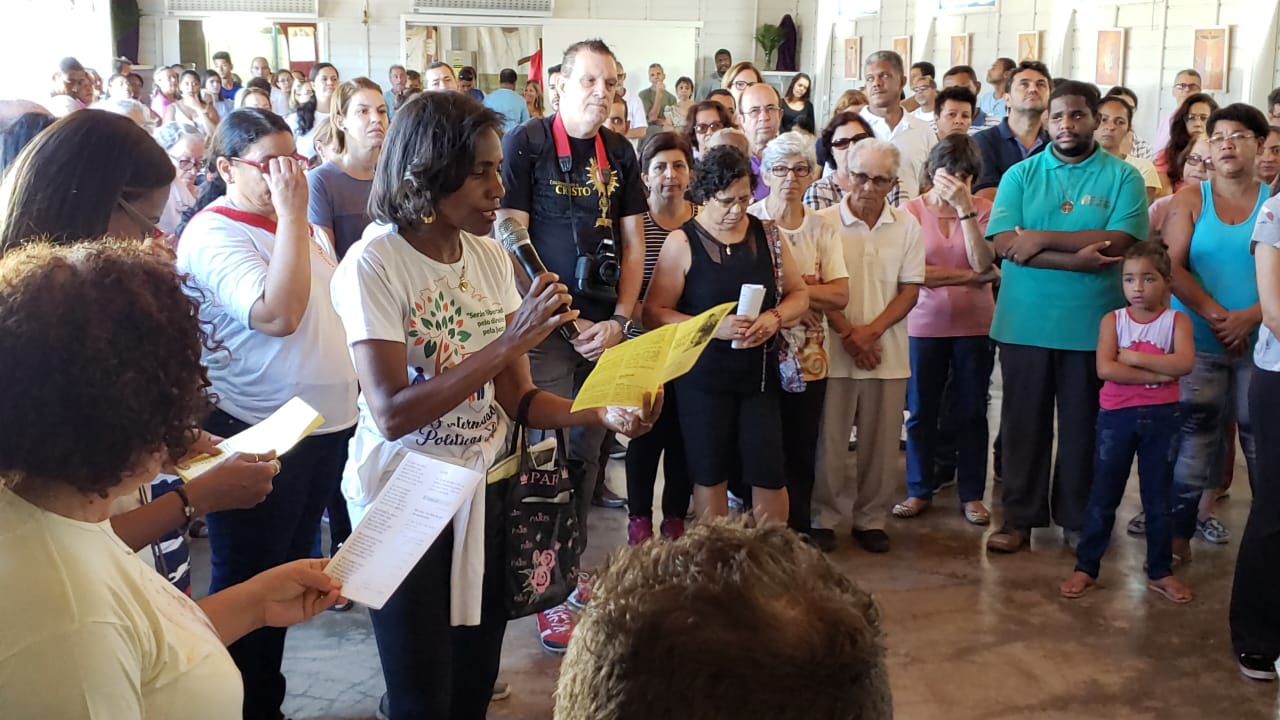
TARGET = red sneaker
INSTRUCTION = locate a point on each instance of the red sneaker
(582, 594)
(555, 628)
(672, 528)
(639, 529)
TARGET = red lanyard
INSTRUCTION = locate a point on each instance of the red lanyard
(565, 154)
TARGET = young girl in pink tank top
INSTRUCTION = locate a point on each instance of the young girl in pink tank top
(1142, 351)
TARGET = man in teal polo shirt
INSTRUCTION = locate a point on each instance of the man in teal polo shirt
(1062, 220)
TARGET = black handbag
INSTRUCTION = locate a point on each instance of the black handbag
(541, 526)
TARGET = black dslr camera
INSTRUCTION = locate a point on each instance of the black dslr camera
(597, 273)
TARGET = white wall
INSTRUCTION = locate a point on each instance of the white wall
(359, 49)
(1159, 41)
(82, 29)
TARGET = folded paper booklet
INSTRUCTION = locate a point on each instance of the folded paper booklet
(419, 500)
(625, 372)
(279, 433)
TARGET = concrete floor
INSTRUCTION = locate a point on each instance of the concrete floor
(969, 636)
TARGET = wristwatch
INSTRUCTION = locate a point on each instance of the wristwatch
(625, 322)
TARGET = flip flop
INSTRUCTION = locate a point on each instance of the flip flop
(1077, 595)
(1167, 594)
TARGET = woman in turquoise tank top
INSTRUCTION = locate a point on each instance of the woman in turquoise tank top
(1208, 232)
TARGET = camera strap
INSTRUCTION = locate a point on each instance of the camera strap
(564, 154)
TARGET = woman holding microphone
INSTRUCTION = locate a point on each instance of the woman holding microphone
(440, 336)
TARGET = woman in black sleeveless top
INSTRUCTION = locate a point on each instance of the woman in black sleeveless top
(728, 403)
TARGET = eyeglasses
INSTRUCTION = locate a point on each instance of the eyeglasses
(1195, 160)
(1186, 87)
(730, 203)
(704, 128)
(741, 84)
(759, 110)
(921, 88)
(185, 163)
(264, 165)
(781, 170)
(1237, 137)
(148, 228)
(844, 142)
(877, 180)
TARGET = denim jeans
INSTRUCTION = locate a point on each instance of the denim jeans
(969, 360)
(1215, 393)
(1150, 432)
(243, 543)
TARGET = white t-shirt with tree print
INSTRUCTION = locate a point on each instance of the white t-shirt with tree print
(384, 289)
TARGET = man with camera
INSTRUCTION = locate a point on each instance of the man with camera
(576, 185)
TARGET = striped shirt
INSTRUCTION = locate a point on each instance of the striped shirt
(654, 236)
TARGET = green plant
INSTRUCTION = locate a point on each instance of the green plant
(769, 37)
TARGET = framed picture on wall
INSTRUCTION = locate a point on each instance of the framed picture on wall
(852, 58)
(1211, 55)
(960, 47)
(1029, 45)
(1111, 47)
(902, 46)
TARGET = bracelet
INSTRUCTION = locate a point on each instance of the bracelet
(973, 214)
(188, 512)
(777, 315)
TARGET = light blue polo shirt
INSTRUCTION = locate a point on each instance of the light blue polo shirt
(1061, 309)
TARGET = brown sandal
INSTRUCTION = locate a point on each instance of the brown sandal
(1089, 585)
(979, 515)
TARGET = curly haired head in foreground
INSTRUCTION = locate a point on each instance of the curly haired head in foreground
(727, 622)
(102, 364)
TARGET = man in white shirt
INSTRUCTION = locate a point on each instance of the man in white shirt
(925, 92)
(635, 109)
(868, 349)
(1185, 83)
(912, 136)
(261, 68)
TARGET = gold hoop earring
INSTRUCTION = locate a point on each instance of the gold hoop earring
(428, 219)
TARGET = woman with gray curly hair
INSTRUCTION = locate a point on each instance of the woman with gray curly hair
(788, 166)
(185, 148)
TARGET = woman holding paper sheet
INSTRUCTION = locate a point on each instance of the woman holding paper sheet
(728, 404)
(262, 275)
(788, 165)
(89, 631)
(37, 201)
(439, 336)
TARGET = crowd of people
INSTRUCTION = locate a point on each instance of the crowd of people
(296, 235)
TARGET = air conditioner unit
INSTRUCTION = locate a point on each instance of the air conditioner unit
(276, 8)
(493, 8)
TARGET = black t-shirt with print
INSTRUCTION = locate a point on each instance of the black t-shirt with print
(535, 184)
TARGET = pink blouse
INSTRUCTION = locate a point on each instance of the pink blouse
(954, 310)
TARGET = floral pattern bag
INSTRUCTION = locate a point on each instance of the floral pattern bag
(541, 527)
(790, 372)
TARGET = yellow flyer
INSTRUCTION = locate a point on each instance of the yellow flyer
(279, 432)
(628, 370)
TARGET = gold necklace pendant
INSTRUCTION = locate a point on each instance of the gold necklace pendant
(463, 284)
(1067, 206)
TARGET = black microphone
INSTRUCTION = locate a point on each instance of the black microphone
(515, 238)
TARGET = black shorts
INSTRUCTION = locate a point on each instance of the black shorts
(729, 435)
